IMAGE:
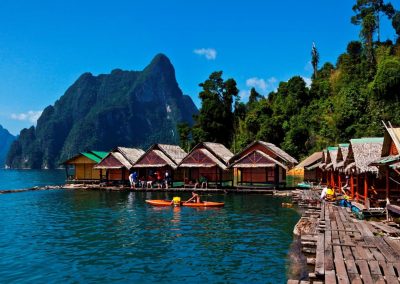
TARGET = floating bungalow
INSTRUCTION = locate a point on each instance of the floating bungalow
(81, 167)
(389, 168)
(309, 169)
(210, 161)
(116, 165)
(363, 177)
(161, 158)
(261, 164)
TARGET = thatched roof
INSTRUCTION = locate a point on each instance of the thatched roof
(331, 157)
(257, 159)
(120, 157)
(281, 155)
(310, 160)
(343, 150)
(131, 154)
(174, 152)
(160, 155)
(218, 150)
(207, 159)
(114, 160)
(363, 152)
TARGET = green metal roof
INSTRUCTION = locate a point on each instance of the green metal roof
(344, 145)
(332, 148)
(95, 156)
(368, 140)
(100, 154)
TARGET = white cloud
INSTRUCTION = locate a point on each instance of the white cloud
(308, 81)
(209, 53)
(31, 116)
(244, 95)
(264, 86)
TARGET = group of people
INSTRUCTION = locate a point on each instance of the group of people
(152, 179)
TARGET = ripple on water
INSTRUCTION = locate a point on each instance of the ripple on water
(73, 236)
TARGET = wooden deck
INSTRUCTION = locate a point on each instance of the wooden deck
(343, 249)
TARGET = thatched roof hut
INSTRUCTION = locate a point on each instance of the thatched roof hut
(362, 152)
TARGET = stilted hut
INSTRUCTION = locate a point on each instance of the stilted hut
(262, 164)
(309, 168)
(389, 167)
(80, 168)
(115, 167)
(343, 150)
(161, 158)
(363, 177)
(322, 167)
(209, 161)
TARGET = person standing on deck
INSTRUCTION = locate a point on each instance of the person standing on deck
(133, 179)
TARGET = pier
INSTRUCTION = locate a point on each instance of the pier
(342, 249)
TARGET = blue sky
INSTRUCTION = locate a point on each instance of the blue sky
(46, 45)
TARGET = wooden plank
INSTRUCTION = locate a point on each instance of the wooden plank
(352, 271)
(341, 272)
(385, 228)
(394, 244)
(376, 273)
(386, 250)
(291, 281)
(330, 277)
(319, 257)
(364, 271)
(328, 259)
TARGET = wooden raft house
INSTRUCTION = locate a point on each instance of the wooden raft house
(80, 168)
(161, 158)
(363, 180)
(209, 161)
(389, 168)
(115, 167)
(261, 164)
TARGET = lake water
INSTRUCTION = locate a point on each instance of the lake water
(73, 236)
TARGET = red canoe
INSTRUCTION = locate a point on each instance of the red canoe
(159, 202)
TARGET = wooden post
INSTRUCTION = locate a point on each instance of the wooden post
(358, 185)
(339, 183)
(352, 185)
(365, 188)
(387, 181)
(276, 176)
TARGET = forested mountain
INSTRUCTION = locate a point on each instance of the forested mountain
(347, 99)
(5, 142)
(124, 108)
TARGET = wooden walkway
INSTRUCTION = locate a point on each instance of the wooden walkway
(343, 249)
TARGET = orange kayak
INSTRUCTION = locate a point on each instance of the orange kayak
(159, 202)
(203, 204)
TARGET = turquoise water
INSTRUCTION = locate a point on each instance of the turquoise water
(21, 179)
(115, 237)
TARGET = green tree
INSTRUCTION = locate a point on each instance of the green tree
(364, 9)
(215, 121)
(184, 135)
(396, 23)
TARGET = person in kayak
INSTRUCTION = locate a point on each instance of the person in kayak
(195, 198)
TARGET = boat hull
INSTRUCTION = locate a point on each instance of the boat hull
(159, 202)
